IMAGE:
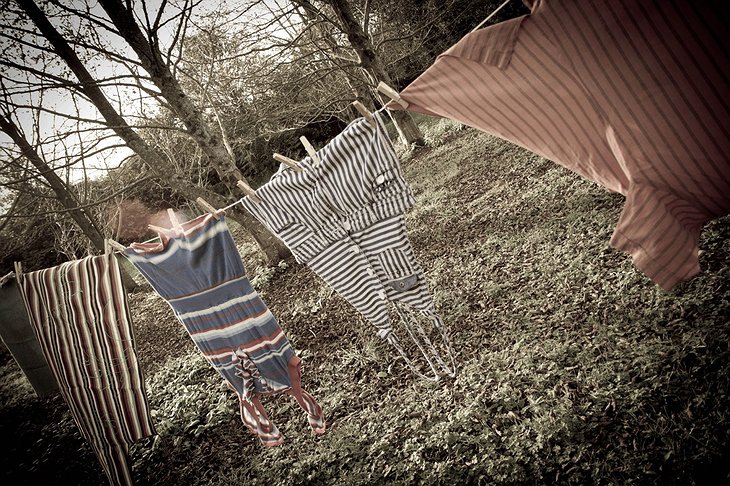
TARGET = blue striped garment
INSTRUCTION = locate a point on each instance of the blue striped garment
(201, 275)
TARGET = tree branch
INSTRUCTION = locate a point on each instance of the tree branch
(82, 206)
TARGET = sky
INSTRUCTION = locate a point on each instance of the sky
(125, 100)
(52, 126)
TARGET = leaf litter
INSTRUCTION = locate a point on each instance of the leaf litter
(573, 367)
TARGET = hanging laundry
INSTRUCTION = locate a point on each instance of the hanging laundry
(199, 272)
(629, 94)
(20, 339)
(80, 315)
(343, 216)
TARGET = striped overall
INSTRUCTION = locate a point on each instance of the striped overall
(80, 316)
(629, 94)
(344, 218)
(201, 276)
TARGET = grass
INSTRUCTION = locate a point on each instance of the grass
(573, 367)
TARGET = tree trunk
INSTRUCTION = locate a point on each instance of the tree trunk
(271, 247)
(369, 60)
(208, 140)
(84, 221)
(405, 125)
(153, 62)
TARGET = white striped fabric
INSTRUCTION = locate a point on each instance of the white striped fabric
(80, 315)
(344, 218)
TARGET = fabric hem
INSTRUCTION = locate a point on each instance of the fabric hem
(650, 267)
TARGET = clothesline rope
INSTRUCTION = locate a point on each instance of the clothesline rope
(490, 16)
(238, 201)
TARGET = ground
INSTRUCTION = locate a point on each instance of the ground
(573, 367)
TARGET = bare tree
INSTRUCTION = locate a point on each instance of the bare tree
(284, 65)
(296, 64)
(273, 249)
(368, 58)
(60, 188)
(146, 47)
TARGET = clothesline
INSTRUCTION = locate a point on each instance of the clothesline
(372, 257)
(222, 209)
(490, 16)
(241, 199)
(375, 254)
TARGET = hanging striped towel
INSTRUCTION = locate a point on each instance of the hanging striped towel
(80, 315)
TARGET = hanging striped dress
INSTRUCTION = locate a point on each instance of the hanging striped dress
(199, 272)
(630, 94)
(344, 218)
(80, 316)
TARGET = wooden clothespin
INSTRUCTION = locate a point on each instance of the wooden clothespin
(109, 244)
(290, 162)
(392, 94)
(310, 150)
(18, 269)
(249, 192)
(364, 112)
(173, 219)
(205, 205)
(158, 229)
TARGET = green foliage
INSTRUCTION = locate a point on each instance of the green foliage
(264, 274)
(573, 367)
(428, 28)
(181, 405)
(40, 240)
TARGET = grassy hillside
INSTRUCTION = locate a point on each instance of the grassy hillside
(573, 367)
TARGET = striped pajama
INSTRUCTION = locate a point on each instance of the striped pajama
(344, 218)
(201, 276)
(80, 316)
(629, 94)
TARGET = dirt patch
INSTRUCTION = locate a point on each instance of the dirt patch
(158, 334)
